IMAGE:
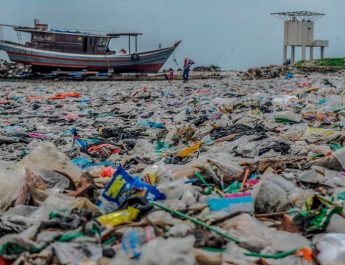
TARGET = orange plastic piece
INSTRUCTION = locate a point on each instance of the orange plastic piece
(107, 172)
(65, 95)
(189, 150)
(306, 253)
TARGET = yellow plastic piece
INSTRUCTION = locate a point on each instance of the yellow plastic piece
(318, 132)
(189, 150)
(119, 217)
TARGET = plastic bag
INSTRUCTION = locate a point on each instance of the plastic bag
(47, 156)
(172, 251)
(287, 117)
(336, 224)
(332, 248)
(273, 194)
(224, 102)
(75, 252)
(319, 132)
(144, 148)
(283, 100)
(11, 178)
(54, 202)
(258, 236)
(122, 187)
(180, 117)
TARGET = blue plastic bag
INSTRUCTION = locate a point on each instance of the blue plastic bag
(122, 187)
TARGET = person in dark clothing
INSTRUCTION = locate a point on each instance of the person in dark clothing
(287, 62)
(186, 69)
(170, 75)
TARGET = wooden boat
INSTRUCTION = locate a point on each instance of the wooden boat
(52, 49)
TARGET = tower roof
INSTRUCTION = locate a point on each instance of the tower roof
(298, 16)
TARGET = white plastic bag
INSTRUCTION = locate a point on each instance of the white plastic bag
(332, 248)
(172, 251)
(283, 100)
(11, 178)
(47, 156)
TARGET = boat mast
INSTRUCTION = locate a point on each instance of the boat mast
(2, 38)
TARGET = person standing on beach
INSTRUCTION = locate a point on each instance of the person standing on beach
(171, 75)
(186, 69)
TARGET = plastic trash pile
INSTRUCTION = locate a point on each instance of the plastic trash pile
(209, 172)
(211, 68)
(266, 72)
(13, 70)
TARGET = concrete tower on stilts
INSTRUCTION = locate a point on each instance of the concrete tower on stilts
(299, 32)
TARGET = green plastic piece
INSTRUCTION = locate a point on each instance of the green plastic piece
(203, 181)
(335, 146)
(341, 196)
(233, 187)
(67, 237)
(216, 250)
(279, 255)
(110, 241)
(198, 222)
(218, 231)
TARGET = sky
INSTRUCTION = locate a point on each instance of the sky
(233, 34)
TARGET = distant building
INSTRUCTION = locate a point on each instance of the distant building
(299, 32)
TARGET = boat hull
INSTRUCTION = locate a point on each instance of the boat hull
(42, 60)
